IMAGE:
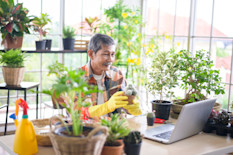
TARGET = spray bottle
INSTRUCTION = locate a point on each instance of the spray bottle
(25, 138)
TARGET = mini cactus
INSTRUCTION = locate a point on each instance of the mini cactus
(150, 114)
(130, 90)
(134, 137)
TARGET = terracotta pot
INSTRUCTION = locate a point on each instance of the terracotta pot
(130, 99)
(13, 76)
(113, 150)
(14, 43)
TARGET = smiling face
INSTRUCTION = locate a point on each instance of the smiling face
(102, 60)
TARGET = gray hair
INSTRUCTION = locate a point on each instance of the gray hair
(98, 40)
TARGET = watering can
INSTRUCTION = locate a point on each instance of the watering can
(25, 138)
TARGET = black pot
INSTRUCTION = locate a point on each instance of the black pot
(162, 110)
(209, 127)
(48, 44)
(230, 130)
(62, 131)
(132, 149)
(68, 43)
(40, 45)
(221, 130)
(150, 121)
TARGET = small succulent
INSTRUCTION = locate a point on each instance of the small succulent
(223, 118)
(134, 137)
(150, 114)
(130, 90)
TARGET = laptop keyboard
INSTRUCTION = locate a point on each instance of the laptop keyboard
(164, 135)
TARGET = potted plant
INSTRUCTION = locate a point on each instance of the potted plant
(162, 79)
(116, 130)
(222, 120)
(13, 66)
(211, 122)
(39, 24)
(14, 22)
(198, 77)
(133, 143)
(150, 117)
(68, 38)
(75, 138)
(130, 92)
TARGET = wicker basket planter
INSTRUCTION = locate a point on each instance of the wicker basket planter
(92, 144)
(13, 76)
(42, 130)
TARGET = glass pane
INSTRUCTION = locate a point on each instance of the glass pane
(180, 43)
(47, 81)
(72, 6)
(203, 18)
(152, 8)
(201, 44)
(31, 76)
(182, 17)
(52, 8)
(166, 17)
(55, 41)
(46, 60)
(29, 42)
(33, 62)
(75, 60)
(222, 18)
(34, 8)
(223, 99)
(221, 54)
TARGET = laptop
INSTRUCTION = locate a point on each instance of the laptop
(191, 121)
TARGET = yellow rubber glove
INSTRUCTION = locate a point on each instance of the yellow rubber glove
(134, 108)
(116, 101)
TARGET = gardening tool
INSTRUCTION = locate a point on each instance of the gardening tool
(25, 138)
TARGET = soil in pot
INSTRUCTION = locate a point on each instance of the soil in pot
(162, 110)
(63, 132)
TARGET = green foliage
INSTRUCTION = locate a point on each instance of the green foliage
(14, 19)
(134, 137)
(13, 58)
(68, 32)
(39, 23)
(124, 25)
(58, 69)
(220, 52)
(223, 118)
(116, 129)
(163, 74)
(67, 86)
(198, 76)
